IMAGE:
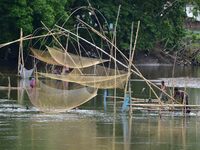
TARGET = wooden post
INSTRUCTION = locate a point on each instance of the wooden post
(104, 99)
(9, 87)
(115, 52)
(130, 94)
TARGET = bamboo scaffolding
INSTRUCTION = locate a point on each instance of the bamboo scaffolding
(134, 99)
(138, 74)
(105, 38)
(164, 105)
(160, 105)
(50, 34)
(164, 110)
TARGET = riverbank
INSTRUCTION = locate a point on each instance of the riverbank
(153, 59)
(163, 58)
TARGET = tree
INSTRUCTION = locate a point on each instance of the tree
(48, 11)
(13, 16)
(28, 15)
(161, 20)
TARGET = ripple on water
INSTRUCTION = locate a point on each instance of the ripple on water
(71, 115)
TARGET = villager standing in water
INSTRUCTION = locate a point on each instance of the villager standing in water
(163, 88)
(181, 97)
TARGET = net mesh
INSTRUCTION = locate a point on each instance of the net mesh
(53, 99)
(100, 77)
(98, 71)
(44, 56)
(71, 60)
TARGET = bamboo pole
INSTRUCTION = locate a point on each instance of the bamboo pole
(134, 99)
(184, 99)
(19, 62)
(173, 71)
(164, 105)
(9, 87)
(131, 55)
(114, 40)
(129, 66)
(29, 37)
(115, 43)
(164, 110)
(21, 46)
(21, 53)
(130, 107)
(131, 60)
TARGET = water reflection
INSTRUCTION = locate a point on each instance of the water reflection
(127, 125)
(166, 133)
(21, 92)
(90, 127)
(63, 135)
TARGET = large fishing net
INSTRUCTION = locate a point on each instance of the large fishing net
(44, 56)
(56, 56)
(95, 76)
(73, 61)
(59, 96)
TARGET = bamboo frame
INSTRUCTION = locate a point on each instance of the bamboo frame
(105, 38)
(113, 44)
(138, 74)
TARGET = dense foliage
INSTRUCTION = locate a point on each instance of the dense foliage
(27, 14)
(161, 20)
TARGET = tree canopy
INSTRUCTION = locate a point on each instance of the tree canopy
(28, 14)
(161, 20)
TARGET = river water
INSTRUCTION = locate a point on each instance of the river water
(95, 126)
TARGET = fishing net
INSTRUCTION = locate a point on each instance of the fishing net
(98, 71)
(59, 99)
(85, 70)
(100, 77)
(71, 60)
(44, 56)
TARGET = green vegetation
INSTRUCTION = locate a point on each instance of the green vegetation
(161, 20)
(28, 15)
